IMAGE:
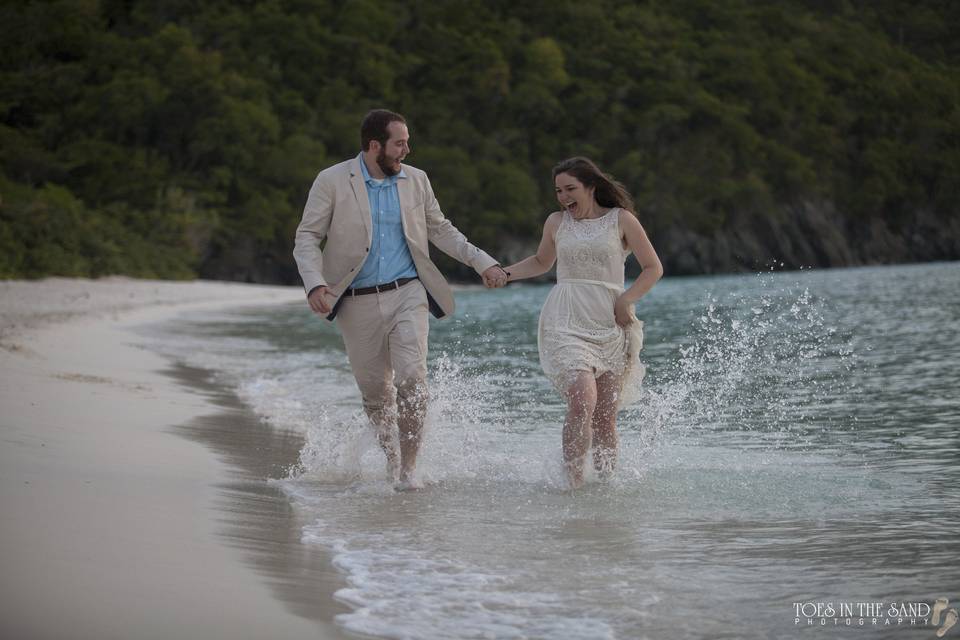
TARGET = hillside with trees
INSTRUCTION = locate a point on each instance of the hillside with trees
(179, 138)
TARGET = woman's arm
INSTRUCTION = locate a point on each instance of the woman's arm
(542, 261)
(640, 245)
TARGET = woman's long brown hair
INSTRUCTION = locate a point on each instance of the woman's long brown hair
(607, 191)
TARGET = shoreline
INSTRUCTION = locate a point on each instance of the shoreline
(134, 490)
(254, 516)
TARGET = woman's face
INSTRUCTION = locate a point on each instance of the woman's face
(574, 196)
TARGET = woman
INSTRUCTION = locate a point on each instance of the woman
(589, 336)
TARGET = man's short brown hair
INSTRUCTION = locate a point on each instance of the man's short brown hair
(374, 127)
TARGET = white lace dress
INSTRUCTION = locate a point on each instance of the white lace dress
(577, 330)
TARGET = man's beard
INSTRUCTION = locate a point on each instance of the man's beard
(388, 169)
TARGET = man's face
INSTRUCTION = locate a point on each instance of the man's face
(395, 149)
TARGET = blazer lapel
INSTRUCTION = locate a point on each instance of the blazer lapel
(405, 193)
(363, 200)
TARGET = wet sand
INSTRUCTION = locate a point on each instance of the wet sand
(134, 493)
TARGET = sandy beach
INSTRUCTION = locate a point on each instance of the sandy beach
(132, 490)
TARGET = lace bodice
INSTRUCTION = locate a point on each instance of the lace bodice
(590, 249)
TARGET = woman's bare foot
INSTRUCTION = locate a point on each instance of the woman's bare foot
(604, 462)
(574, 469)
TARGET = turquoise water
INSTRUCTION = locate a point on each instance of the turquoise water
(797, 441)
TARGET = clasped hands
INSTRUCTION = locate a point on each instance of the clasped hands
(494, 277)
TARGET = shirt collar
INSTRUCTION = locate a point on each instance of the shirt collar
(373, 182)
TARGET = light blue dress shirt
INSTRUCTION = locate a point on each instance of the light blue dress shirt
(389, 257)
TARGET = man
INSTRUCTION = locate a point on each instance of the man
(375, 276)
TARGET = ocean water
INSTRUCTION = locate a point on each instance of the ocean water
(797, 441)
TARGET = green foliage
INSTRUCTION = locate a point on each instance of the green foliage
(174, 137)
(48, 231)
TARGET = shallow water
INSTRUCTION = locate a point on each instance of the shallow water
(797, 440)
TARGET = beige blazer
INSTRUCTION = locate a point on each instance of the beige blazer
(338, 210)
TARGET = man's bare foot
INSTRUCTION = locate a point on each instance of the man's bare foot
(408, 481)
(408, 484)
(393, 469)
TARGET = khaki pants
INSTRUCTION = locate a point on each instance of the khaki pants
(386, 339)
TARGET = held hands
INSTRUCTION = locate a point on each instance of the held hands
(317, 300)
(623, 312)
(494, 277)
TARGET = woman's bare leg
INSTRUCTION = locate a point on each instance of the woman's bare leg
(581, 402)
(604, 425)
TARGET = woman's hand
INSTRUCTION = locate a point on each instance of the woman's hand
(623, 311)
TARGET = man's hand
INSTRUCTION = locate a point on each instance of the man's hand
(494, 277)
(317, 300)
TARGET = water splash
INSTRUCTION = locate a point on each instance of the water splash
(756, 371)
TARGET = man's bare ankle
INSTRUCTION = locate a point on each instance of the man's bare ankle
(408, 482)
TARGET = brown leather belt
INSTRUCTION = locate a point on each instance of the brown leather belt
(380, 288)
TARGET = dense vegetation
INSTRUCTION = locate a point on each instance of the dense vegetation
(171, 138)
